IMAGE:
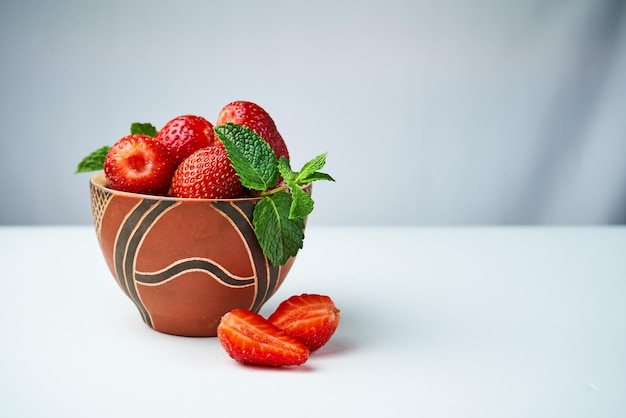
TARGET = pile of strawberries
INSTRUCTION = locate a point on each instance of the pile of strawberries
(185, 158)
(299, 326)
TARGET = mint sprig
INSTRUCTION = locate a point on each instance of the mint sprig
(94, 161)
(278, 218)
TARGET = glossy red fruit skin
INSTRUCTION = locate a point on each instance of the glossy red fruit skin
(186, 134)
(253, 116)
(207, 174)
(312, 319)
(139, 164)
(249, 338)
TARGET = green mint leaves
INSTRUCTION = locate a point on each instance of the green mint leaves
(278, 217)
(94, 161)
(253, 160)
(279, 235)
(138, 128)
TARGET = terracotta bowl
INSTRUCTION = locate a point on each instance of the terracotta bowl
(183, 262)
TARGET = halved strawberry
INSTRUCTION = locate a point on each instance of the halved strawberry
(249, 338)
(312, 319)
(253, 116)
(207, 174)
(186, 134)
(139, 164)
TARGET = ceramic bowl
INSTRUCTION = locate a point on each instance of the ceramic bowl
(183, 262)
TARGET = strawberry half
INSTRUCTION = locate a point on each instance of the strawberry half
(207, 174)
(312, 319)
(186, 134)
(249, 338)
(253, 116)
(139, 164)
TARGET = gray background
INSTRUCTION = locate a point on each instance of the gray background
(432, 112)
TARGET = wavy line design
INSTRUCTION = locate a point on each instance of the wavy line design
(195, 264)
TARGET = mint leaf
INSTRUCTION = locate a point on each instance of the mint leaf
(284, 167)
(318, 175)
(312, 166)
(302, 203)
(94, 161)
(143, 129)
(252, 157)
(279, 236)
(310, 171)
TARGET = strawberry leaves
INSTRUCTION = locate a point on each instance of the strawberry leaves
(278, 217)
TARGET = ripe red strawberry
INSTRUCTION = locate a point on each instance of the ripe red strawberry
(249, 338)
(186, 134)
(207, 174)
(253, 116)
(139, 164)
(312, 319)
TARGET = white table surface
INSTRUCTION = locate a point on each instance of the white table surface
(436, 322)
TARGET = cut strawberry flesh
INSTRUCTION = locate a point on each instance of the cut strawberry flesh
(312, 319)
(249, 338)
(140, 164)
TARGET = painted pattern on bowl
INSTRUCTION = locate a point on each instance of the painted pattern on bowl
(183, 262)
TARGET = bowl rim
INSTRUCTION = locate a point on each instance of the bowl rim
(99, 181)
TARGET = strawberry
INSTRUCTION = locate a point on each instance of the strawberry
(186, 134)
(139, 164)
(253, 116)
(249, 338)
(312, 319)
(207, 174)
